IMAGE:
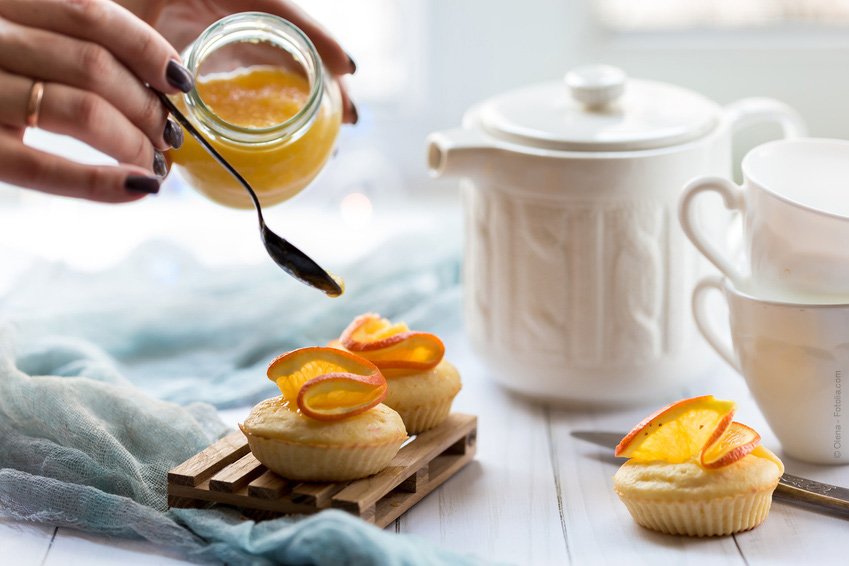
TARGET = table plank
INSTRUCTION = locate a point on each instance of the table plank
(599, 527)
(28, 543)
(789, 535)
(75, 548)
(503, 505)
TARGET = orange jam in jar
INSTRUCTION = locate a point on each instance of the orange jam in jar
(277, 125)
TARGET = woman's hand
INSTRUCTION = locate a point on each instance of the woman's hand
(79, 67)
(181, 21)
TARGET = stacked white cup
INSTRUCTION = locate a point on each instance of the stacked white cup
(788, 300)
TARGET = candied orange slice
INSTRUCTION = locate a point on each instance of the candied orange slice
(393, 348)
(328, 384)
(678, 431)
(737, 442)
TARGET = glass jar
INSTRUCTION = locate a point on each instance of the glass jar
(279, 159)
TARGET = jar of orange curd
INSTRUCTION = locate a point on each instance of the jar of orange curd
(265, 101)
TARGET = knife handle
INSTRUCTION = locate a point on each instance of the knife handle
(812, 495)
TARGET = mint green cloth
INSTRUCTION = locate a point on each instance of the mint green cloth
(184, 332)
(106, 379)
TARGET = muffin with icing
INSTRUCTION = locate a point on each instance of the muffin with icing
(421, 384)
(329, 423)
(694, 471)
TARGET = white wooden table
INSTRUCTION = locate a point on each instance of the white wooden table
(534, 495)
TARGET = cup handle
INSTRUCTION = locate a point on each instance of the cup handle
(749, 111)
(732, 197)
(703, 321)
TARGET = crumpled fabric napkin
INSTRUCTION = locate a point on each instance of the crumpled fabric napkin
(82, 357)
(185, 332)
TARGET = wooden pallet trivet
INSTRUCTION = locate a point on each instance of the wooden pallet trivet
(227, 472)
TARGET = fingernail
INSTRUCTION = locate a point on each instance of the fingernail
(354, 112)
(179, 76)
(141, 184)
(352, 63)
(173, 134)
(160, 166)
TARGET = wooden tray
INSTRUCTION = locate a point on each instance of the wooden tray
(227, 472)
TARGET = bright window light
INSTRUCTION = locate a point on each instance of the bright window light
(372, 31)
(648, 15)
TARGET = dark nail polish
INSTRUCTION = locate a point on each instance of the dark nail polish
(173, 134)
(141, 184)
(352, 63)
(179, 76)
(160, 166)
(354, 112)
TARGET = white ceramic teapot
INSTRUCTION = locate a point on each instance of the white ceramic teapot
(577, 275)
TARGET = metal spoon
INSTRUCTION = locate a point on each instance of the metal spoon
(293, 261)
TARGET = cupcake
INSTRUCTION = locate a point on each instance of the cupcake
(421, 384)
(694, 471)
(329, 423)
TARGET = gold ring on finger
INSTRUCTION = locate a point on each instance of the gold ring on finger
(36, 93)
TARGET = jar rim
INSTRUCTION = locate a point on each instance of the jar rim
(253, 27)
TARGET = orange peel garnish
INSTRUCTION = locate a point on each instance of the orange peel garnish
(328, 384)
(679, 431)
(393, 348)
(736, 443)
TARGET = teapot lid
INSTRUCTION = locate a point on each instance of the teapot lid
(598, 108)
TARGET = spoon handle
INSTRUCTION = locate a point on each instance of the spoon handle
(189, 127)
(295, 262)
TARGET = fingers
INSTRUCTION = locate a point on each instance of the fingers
(55, 58)
(81, 114)
(28, 167)
(94, 58)
(336, 59)
(91, 119)
(135, 44)
(350, 114)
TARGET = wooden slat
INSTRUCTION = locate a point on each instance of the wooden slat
(237, 475)
(396, 503)
(240, 480)
(415, 482)
(269, 486)
(201, 466)
(445, 466)
(434, 441)
(364, 493)
(369, 515)
(239, 499)
(259, 515)
(187, 502)
(316, 493)
(393, 506)
(461, 445)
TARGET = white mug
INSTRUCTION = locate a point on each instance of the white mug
(795, 206)
(795, 359)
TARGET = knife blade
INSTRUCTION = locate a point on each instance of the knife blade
(802, 492)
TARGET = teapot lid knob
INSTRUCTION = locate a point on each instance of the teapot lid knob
(596, 85)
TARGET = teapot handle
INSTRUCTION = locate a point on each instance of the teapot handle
(749, 111)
